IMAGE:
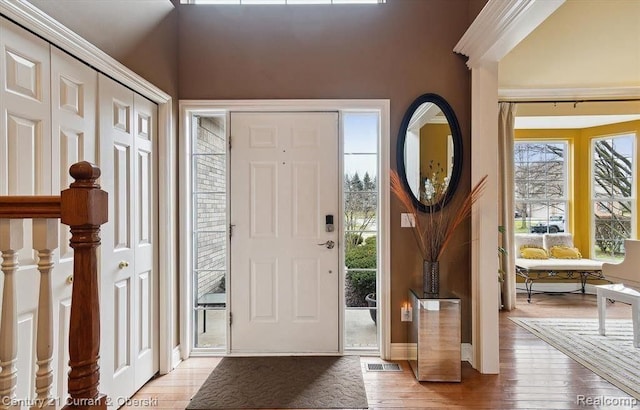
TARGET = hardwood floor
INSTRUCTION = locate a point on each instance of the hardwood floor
(532, 373)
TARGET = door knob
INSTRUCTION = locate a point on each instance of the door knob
(329, 244)
(123, 264)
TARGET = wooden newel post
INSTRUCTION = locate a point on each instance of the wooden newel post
(84, 209)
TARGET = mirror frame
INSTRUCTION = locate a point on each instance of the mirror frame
(457, 149)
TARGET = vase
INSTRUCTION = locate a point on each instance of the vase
(431, 277)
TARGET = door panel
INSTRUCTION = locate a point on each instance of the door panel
(145, 329)
(122, 196)
(264, 200)
(284, 287)
(122, 336)
(264, 286)
(127, 137)
(306, 280)
(145, 238)
(306, 180)
(116, 141)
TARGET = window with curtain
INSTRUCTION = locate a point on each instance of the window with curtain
(540, 186)
(612, 194)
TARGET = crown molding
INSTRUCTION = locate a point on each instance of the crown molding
(28, 15)
(500, 26)
(568, 94)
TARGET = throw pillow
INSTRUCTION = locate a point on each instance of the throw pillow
(533, 253)
(564, 252)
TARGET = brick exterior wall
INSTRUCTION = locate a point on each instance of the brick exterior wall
(210, 205)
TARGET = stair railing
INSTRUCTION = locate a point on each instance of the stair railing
(84, 208)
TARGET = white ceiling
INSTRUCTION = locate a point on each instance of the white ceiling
(584, 45)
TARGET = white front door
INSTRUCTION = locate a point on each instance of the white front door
(284, 182)
(129, 288)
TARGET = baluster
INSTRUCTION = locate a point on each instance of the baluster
(84, 209)
(45, 240)
(11, 240)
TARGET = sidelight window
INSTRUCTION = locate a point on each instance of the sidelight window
(209, 210)
(361, 199)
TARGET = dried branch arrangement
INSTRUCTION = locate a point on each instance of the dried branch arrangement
(433, 231)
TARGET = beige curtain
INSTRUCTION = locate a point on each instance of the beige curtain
(506, 122)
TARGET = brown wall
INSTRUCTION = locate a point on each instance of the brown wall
(395, 51)
(139, 34)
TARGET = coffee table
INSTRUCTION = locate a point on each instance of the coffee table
(624, 294)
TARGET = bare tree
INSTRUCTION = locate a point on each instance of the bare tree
(539, 175)
(360, 207)
(613, 178)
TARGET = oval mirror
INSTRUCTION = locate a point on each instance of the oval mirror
(429, 152)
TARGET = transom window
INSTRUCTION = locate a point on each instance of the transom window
(612, 194)
(540, 185)
(282, 1)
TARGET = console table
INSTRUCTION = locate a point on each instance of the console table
(434, 337)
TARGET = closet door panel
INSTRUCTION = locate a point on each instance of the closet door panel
(73, 138)
(73, 95)
(25, 119)
(119, 283)
(145, 239)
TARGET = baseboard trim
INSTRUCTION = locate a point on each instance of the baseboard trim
(400, 351)
(175, 357)
(467, 352)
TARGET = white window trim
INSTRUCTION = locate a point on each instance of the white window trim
(593, 199)
(188, 108)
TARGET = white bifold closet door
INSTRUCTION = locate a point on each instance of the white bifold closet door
(55, 111)
(129, 285)
(74, 88)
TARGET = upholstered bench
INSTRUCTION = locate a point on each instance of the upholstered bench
(530, 270)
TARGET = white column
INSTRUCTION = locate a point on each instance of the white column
(45, 240)
(484, 220)
(11, 240)
(499, 27)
